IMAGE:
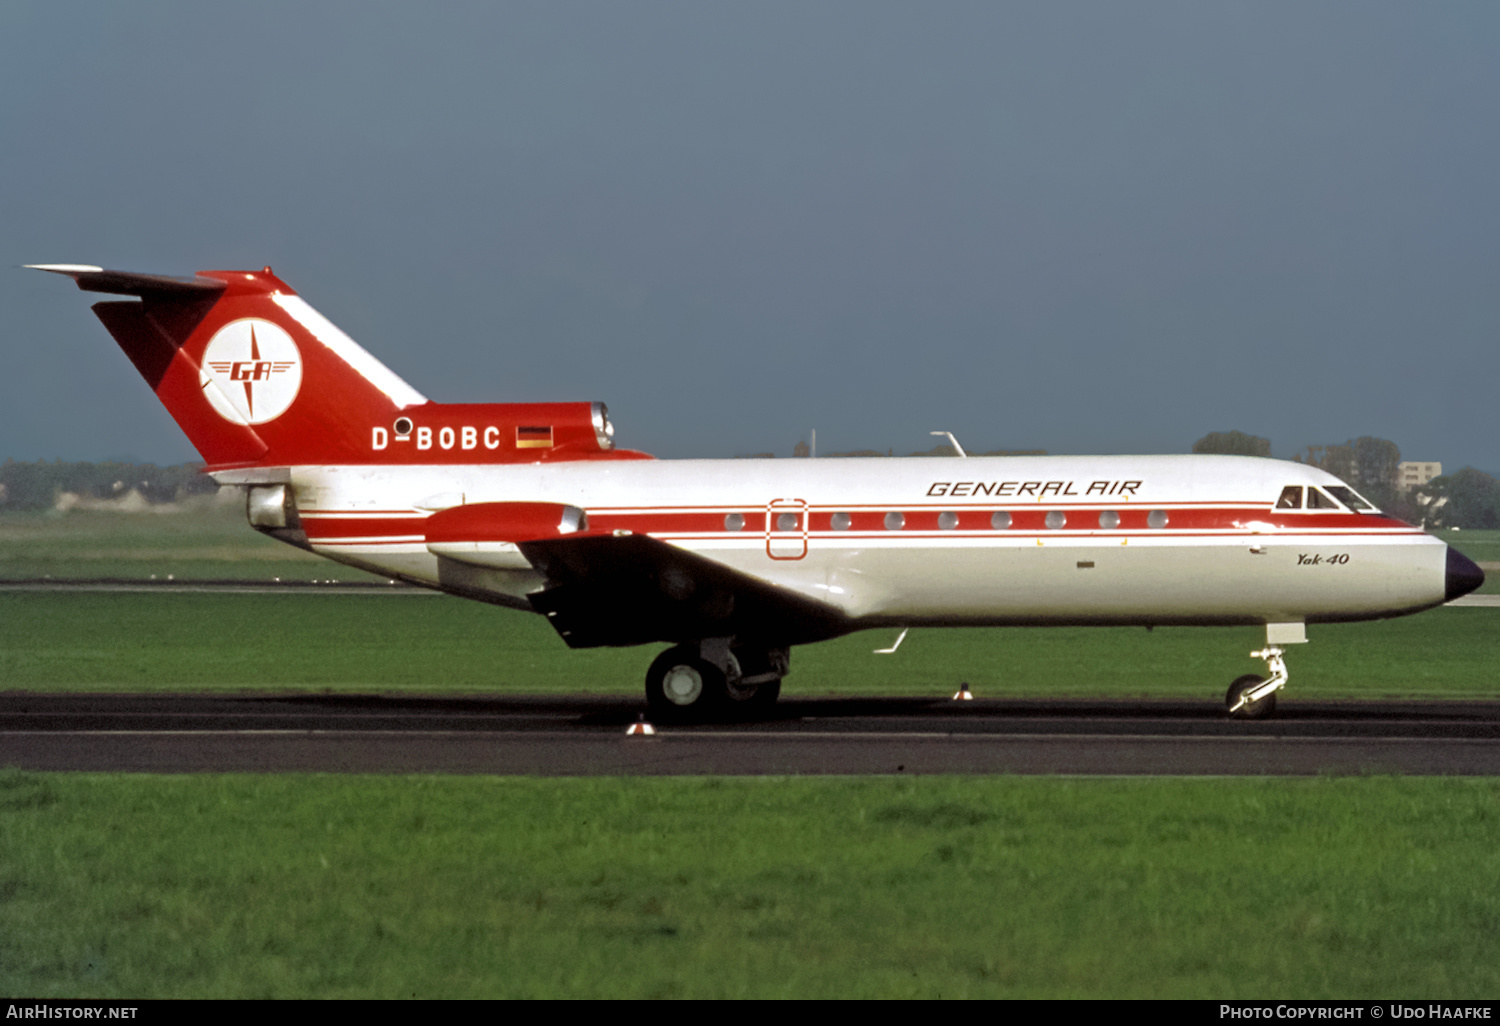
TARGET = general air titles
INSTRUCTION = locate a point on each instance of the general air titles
(1036, 489)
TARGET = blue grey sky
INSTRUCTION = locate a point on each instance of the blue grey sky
(1084, 227)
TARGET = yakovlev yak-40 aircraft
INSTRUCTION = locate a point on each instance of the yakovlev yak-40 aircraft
(733, 562)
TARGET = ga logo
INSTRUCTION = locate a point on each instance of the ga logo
(251, 371)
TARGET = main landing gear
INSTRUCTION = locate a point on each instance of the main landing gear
(710, 679)
(1253, 697)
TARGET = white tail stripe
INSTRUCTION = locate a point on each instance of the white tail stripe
(350, 351)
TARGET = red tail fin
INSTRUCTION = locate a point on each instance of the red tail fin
(250, 372)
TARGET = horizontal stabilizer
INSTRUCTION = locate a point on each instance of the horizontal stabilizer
(129, 283)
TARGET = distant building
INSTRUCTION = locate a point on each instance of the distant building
(1415, 475)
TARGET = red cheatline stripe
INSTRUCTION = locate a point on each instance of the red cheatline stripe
(328, 527)
(338, 542)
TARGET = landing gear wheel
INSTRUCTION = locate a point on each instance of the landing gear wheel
(1257, 710)
(682, 686)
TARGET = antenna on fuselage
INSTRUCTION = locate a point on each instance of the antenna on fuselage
(951, 441)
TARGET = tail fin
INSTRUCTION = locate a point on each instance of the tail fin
(251, 373)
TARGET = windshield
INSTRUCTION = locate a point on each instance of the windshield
(1349, 497)
(1317, 500)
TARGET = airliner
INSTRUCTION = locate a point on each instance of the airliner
(732, 563)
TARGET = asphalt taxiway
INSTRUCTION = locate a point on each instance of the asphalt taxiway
(573, 736)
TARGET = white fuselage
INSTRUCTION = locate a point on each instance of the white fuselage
(1078, 540)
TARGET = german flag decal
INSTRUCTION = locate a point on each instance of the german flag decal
(534, 437)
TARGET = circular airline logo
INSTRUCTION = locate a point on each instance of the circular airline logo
(251, 371)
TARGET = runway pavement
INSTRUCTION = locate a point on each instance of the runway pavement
(570, 736)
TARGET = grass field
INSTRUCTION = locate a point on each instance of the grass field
(289, 886)
(208, 542)
(415, 641)
(334, 886)
(1480, 546)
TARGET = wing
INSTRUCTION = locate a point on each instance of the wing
(606, 589)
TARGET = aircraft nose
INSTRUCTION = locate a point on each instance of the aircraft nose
(1463, 575)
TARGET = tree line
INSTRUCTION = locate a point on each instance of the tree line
(37, 486)
(1468, 499)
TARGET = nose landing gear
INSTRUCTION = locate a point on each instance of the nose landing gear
(1253, 697)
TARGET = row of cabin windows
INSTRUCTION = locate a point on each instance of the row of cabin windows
(947, 521)
(1291, 498)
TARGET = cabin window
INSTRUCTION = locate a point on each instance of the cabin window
(734, 522)
(894, 521)
(1056, 518)
(1291, 497)
(1156, 519)
(1000, 520)
(786, 521)
(947, 521)
(1109, 520)
(1317, 500)
(1349, 497)
(841, 521)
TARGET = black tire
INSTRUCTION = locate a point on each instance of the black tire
(682, 686)
(1251, 710)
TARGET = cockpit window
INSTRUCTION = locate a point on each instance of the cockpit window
(1291, 497)
(1317, 500)
(1349, 497)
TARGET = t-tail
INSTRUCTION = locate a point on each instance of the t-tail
(256, 377)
